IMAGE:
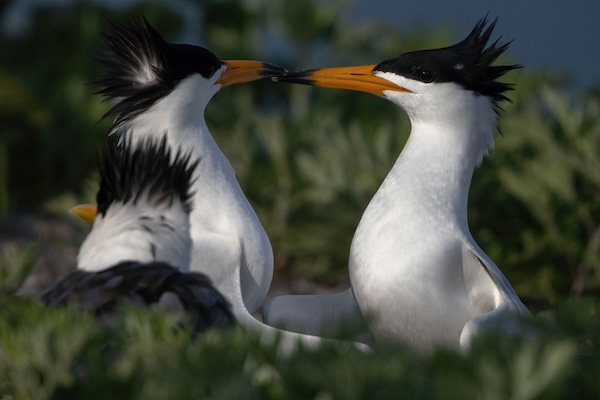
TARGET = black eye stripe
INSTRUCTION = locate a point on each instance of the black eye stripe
(141, 68)
(467, 63)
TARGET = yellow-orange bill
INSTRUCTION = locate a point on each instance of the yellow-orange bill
(242, 71)
(86, 212)
(359, 78)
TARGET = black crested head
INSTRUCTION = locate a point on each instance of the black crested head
(142, 68)
(144, 171)
(467, 63)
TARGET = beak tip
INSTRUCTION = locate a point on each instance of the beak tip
(85, 212)
(274, 68)
(272, 71)
(243, 71)
(359, 78)
(295, 77)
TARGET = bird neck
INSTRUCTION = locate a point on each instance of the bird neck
(219, 203)
(436, 165)
(180, 116)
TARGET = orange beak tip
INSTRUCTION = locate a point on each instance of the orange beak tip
(243, 71)
(86, 212)
(274, 69)
(358, 78)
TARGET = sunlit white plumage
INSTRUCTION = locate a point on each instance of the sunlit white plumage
(143, 208)
(168, 98)
(138, 250)
(416, 272)
(163, 89)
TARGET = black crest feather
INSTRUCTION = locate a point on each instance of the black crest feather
(467, 63)
(145, 171)
(141, 68)
(143, 284)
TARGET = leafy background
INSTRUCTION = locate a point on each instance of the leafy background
(309, 160)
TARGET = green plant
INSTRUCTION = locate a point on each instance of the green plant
(543, 196)
(310, 159)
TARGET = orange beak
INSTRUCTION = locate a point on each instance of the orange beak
(86, 212)
(359, 78)
(242, 71)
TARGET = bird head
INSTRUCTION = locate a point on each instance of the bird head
(437, 83)
(143, 207)
(141, 69)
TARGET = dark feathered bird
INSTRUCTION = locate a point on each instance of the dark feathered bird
(139, 248)
(143, 284)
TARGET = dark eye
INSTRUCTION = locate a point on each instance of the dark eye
(424, 75)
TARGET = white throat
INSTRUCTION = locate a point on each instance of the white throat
(406, 256)
(225, 230)
(448, 140)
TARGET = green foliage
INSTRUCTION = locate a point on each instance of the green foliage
(560, 183)
(48, 353)
(64, 353)
(39, 349)
(311, 159)
(49, 136)
(15, 266)
(544, 182)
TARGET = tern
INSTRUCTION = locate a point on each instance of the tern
(416, 272)
(139, 248)
(161, 88)
(140, 241)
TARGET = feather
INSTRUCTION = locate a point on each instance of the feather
(467, 63)
(128, 173)
(141, 68)
(143, 284)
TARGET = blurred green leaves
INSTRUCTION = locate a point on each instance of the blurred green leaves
(559, 182)
(39, 349)
(542, 185)
(64, 353)
(15, 265)
(311, 159)
(49, 135)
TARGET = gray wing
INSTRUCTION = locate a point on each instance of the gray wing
(143, 284)
(495, 303)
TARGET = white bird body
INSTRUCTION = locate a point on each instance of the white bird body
(162, 90)
(140, 232)
(413, 262)
(228, 239)
(416, 272)
(138, 250)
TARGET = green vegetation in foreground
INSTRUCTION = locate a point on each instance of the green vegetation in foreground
(66, 354)
(310, 159)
